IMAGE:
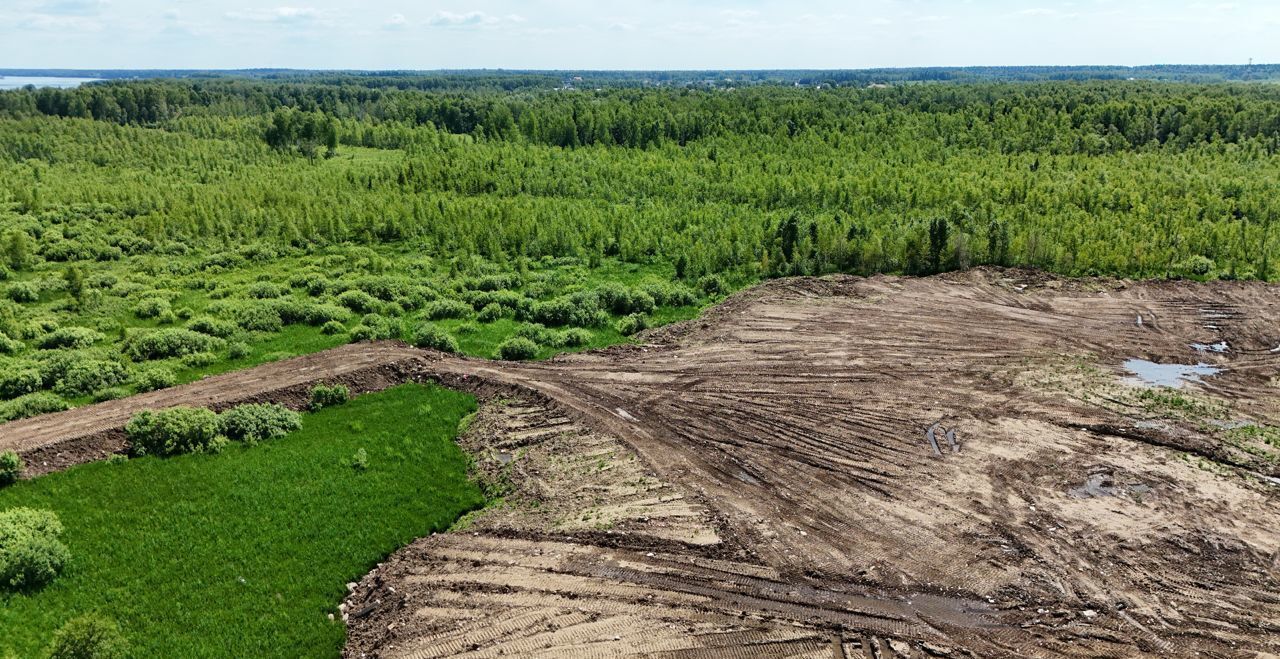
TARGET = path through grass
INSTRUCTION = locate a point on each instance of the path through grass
(243, 554)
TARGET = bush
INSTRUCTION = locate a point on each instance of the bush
(442, 309)
(712, 285)
(575, 337)
(375, 328)
(31, 555)
(431, 336)
(633, 323)
(620, 300)
(517, 348)
(323, 396)
(110, 393)
(10, 468)
(264, 290)
(360, 461)
(151, 378)
(19, 381)
(170, 342)
(10, 346)
(69, 337)
(536, 332)
(491, 312)
(199, 359)
(22, 291)
(213, 327)
(150, 307)
(174, 431)
(332, 328)
(258, 422)
(239, 350)
(670, 295)
(86, 376)
(259, 318)
(89, 637)
(359, 301)
(41, 402)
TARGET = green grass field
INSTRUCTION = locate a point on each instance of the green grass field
(245, 553)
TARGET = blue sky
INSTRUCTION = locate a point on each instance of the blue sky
(639, 34)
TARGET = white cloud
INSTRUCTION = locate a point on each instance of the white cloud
(71, 7)
(278, 15)
(471, 19)
(396, 22)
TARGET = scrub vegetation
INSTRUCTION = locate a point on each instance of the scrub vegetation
(243, 552)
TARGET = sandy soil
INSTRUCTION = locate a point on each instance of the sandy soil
(953, 466)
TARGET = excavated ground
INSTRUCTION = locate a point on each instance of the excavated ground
(953, 466)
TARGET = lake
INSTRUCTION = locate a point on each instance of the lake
(14, 82)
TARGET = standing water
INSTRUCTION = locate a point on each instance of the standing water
(18, 82)
(1168, 375)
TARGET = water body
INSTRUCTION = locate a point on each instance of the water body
(17, 82)
(1168, 375)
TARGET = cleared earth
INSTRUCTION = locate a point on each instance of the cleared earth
(950, 466)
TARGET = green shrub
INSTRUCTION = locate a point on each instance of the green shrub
(31, 555)
(373, 327)
(199, 359)
(10, 346)
(239, 350)
(258, 422)
(89, 637)
(491, 312)
(22, 291)
(89, 375)
(620, 300)
(150, 307)
(575, 337)
(633, 323)
(69, 337)
(185, 313)
(360, 461)
(431, 336)
(41, 402)
(10, 468)
(713, 285)
(536, 332)
(110, 393)
(323, 396)
(442, 309)
(213, 327)
(259, 318)
(264, 290)
(358, 301)
(318, 314)
(332, 328)
(18, 381)
(174, 431)
(670, 295)
(170, 342)
(517, 348)
(154, 377)
(466, 329)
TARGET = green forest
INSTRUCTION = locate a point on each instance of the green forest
(154, 231)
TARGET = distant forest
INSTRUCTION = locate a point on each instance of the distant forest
(534, 79)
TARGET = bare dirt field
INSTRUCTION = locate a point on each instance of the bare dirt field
(953, 466)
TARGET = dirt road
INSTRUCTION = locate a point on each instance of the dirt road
(953, 466)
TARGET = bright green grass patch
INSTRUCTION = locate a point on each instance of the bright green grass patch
(245, 553)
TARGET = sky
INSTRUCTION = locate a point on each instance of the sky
(636, 34)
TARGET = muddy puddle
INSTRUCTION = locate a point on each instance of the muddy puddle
(1168, 375)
